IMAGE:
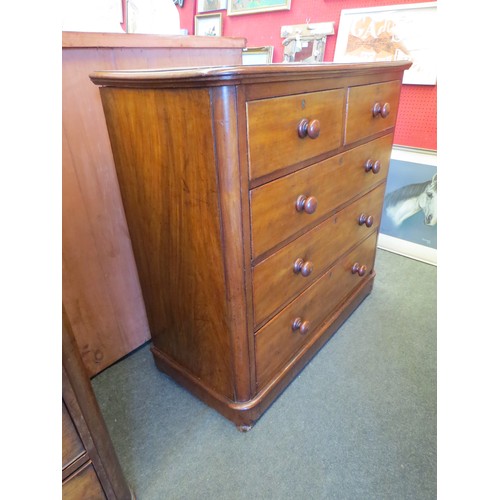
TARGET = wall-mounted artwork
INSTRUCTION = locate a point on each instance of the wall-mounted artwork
(210, 5)
(305, 43)
(391, 33)
(238, 7)
(208, 24)
(307, 49)
(409, 218)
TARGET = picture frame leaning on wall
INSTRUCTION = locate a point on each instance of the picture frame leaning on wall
(257, 55)
(409, 216)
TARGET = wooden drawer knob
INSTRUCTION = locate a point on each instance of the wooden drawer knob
(302, 326)
(306, 204)
(381, 109)
(374, 166)
(308, 128)
(359, 269)
(367, 220)
(303, 267)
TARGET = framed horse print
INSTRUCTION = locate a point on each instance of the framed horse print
(409, 217)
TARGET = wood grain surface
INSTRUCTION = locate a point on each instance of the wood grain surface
(165, 162)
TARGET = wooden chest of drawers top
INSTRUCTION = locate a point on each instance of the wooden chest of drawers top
(253, 197)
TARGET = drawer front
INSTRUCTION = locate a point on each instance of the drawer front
(72, 446)
(278, 341)
(83, 484)
(363, 119)
(276, 206)
(284, 274)
(273, 129)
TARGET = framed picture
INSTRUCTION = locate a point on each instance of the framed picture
(391, 33)
(208, 24)
(409, 217)
(305, 49)
(210, 5)
(239, 7)
(258, 55)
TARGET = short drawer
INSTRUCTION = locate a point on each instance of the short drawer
(284, 207)
(274, 138)
(371, 109)
(282, 337)
(284, 274)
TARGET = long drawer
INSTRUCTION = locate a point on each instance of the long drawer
(284, 207)
(274, 138)
(288, 331)
(283, 275)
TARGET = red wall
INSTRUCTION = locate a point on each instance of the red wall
(416, 125)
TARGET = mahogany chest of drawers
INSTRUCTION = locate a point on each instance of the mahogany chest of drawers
(253, 197)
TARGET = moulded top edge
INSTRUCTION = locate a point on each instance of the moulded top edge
(220, 75)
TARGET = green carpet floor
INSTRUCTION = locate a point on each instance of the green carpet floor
(359, 422)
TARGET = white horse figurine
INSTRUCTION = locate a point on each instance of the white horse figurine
(408, 200)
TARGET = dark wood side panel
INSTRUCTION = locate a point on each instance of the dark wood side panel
(165, 162)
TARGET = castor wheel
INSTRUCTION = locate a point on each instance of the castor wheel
(244, 427)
